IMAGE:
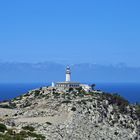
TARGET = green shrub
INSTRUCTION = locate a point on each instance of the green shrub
(67, 101)
(5, 106)
(36, 93)
(3, 128)
(30, 128)
(26, 95)
(23, 134)
(56, 94)
(70, 89)
(20, 136)
(37, 136)
(73, 109)
(48, 123)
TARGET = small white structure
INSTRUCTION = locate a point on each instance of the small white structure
(86, 87)
(53, 84)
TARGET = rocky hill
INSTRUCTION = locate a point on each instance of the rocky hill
(73, 114)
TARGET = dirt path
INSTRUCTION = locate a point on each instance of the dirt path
(52, 119)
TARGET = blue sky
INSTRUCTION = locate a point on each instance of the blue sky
(70, 31)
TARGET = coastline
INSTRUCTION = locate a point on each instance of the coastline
(130, 91)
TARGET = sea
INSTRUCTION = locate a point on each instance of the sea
(130, 91)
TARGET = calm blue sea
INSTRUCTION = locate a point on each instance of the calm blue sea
(9, 91)
(130, 91)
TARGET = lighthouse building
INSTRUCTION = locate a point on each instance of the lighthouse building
(68, 74)
(68, 83)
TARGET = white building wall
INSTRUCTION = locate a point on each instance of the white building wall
(68, 77)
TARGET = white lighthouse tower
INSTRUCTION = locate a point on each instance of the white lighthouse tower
(67, 84)
(68, 74)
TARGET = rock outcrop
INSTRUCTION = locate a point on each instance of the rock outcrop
(73, 115)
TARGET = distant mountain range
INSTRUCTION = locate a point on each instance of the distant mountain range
(50, 71)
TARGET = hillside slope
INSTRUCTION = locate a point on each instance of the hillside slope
(73, 115)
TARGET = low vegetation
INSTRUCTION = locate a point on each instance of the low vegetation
(117, 100)
(73, 109)
(3, 128)
(5, 106)
(138, 110)
(66, 101)
(36, 93)
(23, 135)
(48, 123)
(10, 134)
(30, 128)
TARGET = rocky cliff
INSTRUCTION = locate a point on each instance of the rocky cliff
(71, 115)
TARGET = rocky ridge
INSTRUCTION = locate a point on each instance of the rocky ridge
(72, 114)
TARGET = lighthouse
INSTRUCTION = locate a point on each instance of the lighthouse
(68, 83)
(68, 74)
